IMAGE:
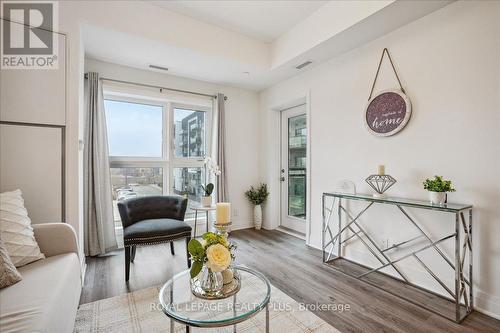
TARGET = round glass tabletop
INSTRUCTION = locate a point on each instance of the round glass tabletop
(179, 303)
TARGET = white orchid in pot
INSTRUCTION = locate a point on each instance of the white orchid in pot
(211, 258)
(212, 168)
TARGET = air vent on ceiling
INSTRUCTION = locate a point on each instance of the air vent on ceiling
(158, 67)
(304, 64)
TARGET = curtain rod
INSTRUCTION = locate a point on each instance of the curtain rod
(157, 87)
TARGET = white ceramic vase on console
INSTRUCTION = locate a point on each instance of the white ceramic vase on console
(437, 198)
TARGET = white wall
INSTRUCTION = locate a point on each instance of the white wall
(241, 107)
(449, 63)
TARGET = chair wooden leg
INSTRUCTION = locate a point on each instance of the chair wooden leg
(127, 262)
(187, 252)
(132, 255)
(172, 248)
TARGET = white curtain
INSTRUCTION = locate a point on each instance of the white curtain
(99, 227)
(219, 146)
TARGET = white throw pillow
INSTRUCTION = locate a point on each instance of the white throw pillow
(15, 230)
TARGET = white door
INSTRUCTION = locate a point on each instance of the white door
(293, 168)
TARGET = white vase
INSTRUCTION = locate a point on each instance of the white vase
(437, 198)
(206, 201)
(257, 216)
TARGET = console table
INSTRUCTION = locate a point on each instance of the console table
(458, 302)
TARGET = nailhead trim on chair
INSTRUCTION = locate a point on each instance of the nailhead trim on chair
(163, 239)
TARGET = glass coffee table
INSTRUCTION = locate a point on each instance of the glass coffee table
(180, 305)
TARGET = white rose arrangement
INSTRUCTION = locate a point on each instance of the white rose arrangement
(214, 251)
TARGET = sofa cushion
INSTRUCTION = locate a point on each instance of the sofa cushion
(155, 230)
(16, 231)
(46, 299)
(8, 272)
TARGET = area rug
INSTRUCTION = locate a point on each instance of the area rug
(139, 311)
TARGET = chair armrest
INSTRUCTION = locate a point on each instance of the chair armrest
(55, 238)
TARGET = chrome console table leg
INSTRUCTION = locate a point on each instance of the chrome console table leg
(457, 268)
(471, 299)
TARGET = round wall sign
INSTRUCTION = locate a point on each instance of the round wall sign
(387, 113)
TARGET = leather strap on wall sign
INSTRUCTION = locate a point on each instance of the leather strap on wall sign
(378, 70)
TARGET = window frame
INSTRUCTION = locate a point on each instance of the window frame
(168, 161)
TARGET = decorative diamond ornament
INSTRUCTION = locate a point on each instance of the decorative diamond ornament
(380, 183)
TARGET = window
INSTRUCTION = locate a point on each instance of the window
(134, 129)
(148, 156)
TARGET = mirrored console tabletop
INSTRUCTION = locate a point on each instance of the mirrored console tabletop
(340, 226)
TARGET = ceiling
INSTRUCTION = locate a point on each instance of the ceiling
(300, 31)
(262, 20)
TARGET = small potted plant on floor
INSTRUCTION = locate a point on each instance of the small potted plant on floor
(206, 200)
(437, 188)
(257, 196)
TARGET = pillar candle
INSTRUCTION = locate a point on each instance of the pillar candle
(223, 213)
(381, 170)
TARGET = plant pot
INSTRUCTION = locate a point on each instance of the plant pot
(437, 198)
(257, 216)
(206, 201)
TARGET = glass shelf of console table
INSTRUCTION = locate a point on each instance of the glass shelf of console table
(447, 207)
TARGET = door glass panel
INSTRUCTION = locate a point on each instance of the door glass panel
(189, 133)
(134, 182)
(297, 149)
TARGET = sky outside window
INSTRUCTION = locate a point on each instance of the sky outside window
(134, 129)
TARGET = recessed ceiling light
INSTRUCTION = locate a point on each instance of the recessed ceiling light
(246, 73)
(158, 67)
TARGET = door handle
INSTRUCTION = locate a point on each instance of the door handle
(282, 179)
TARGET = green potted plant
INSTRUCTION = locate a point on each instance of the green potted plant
(206, 200)
(257, 196)
(437, 188)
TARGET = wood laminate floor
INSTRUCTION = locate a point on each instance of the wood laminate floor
(295, 269)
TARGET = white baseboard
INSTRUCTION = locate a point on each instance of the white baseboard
(487, 304)
(291, 233)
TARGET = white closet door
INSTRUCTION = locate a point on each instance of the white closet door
(35, 95)
(31, 160)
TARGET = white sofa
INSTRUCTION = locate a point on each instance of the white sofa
(46, 299)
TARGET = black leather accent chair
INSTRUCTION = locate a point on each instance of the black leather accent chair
(152, 220)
